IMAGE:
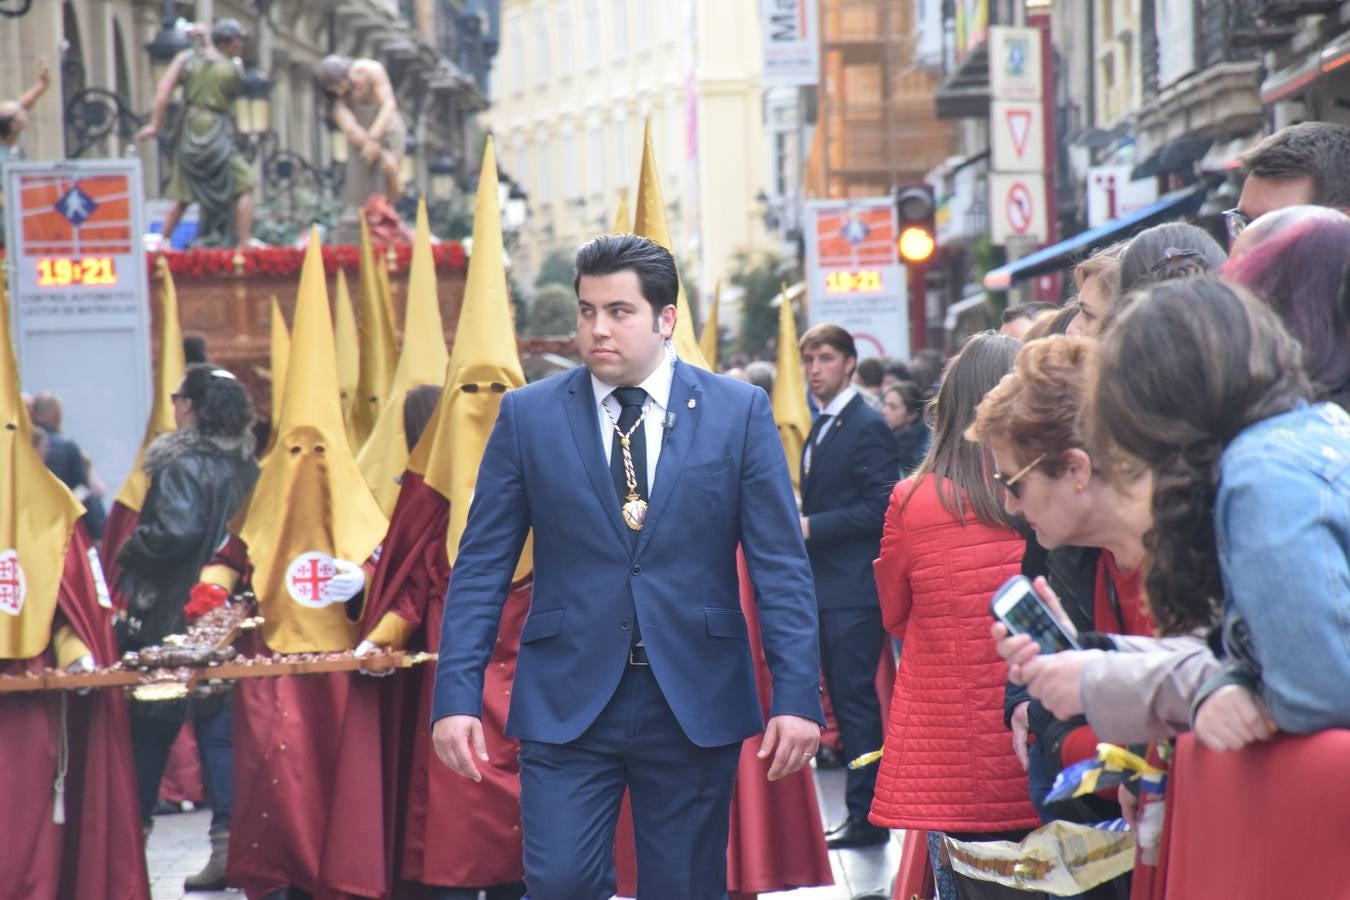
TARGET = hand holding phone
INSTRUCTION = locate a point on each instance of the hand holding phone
(1017, 605)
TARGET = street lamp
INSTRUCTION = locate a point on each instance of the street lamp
(253, 106)
(513, 202)
(442, 171)
(167, 44)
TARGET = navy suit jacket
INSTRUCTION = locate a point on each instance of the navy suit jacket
(853, 470)
(721, 481)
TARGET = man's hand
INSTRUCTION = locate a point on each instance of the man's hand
(1020, 728)
(147, 133)
(370, 151)
(44, 73)
(458, 740)
(1056, 680)
(1231, 718)
(791, 740)
(806, 528)
(1129, 806)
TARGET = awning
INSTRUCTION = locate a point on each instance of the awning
(1058, 256)
(1174, 156)
(1293, 80)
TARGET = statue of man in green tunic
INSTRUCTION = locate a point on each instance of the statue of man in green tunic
(207, 167)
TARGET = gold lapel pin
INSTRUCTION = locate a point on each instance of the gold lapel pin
(692, 403)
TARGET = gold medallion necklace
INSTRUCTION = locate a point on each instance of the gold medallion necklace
(634, 507)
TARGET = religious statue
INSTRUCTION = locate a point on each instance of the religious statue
(207, 166)
(365, 109)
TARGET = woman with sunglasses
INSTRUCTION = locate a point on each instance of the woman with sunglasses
(1093, 527)
(946, 547)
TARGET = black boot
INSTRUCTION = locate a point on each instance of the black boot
(212, 877)
(512, 891)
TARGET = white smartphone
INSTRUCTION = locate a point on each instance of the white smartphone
(1017, 605)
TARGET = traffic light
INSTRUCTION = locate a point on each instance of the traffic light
(915, 207)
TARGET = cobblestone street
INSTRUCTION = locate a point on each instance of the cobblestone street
(178, 848)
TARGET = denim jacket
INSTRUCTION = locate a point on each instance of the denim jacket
(1282, 522)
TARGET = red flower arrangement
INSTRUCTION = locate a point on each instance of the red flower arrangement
(284, 261)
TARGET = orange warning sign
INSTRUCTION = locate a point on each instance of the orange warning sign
(75, 216)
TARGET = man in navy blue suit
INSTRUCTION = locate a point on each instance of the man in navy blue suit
(848, 467)
(640, 475)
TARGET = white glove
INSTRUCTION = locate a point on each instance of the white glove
(365, 648)
(349, 581)
(83, 664)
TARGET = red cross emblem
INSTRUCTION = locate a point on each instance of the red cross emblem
(13, 586)
(306, 576)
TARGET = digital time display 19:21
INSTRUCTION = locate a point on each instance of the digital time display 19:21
(63, 271)
(864, 281)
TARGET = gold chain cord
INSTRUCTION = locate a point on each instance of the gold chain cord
(629, 474)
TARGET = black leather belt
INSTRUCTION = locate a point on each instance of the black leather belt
(637, 655)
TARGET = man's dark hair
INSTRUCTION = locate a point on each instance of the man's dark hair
(832, 336)
(649, 261)
(1026, 310)
(898, 371)
(194, 349)
(1316, 150)
(219, 401)
(869, 372)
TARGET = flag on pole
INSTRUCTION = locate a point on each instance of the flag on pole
(708, 340)
(790, 411)
(650, 222)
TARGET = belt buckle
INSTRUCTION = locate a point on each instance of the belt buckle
(637, 655)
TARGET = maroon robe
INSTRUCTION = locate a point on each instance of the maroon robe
(98, 852)
(776, 841)
(455, 832)
(122, 521)
(311, 762)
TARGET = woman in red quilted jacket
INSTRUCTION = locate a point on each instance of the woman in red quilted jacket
(948, 765)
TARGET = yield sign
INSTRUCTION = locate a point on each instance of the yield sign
(1019, 125)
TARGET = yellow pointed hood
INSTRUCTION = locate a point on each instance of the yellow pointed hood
(378, 349)
(623, 217)
(707, 341)
(650, 222)
(790, 411)
(37, 515)
(484, 365)
(280, 355)
(348, 350)
(310, 503)
(384, 455)
(169, 370)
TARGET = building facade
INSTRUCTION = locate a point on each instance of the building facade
(573, 85)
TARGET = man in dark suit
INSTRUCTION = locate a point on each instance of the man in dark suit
(639, 475)
(849, 465)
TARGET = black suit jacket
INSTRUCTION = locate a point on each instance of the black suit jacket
(853, 469)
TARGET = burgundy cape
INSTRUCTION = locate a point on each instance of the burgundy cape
(776, 841)
(98, 852)
(122, 521)
(1269, 820)
(454, 832)
(311, 793)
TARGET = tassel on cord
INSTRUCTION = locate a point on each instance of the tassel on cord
(62, 763)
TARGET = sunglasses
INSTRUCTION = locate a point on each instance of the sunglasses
(1236, 222)
(1010, 483)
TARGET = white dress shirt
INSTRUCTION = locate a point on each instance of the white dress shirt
(657, 386)
(832, 409)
